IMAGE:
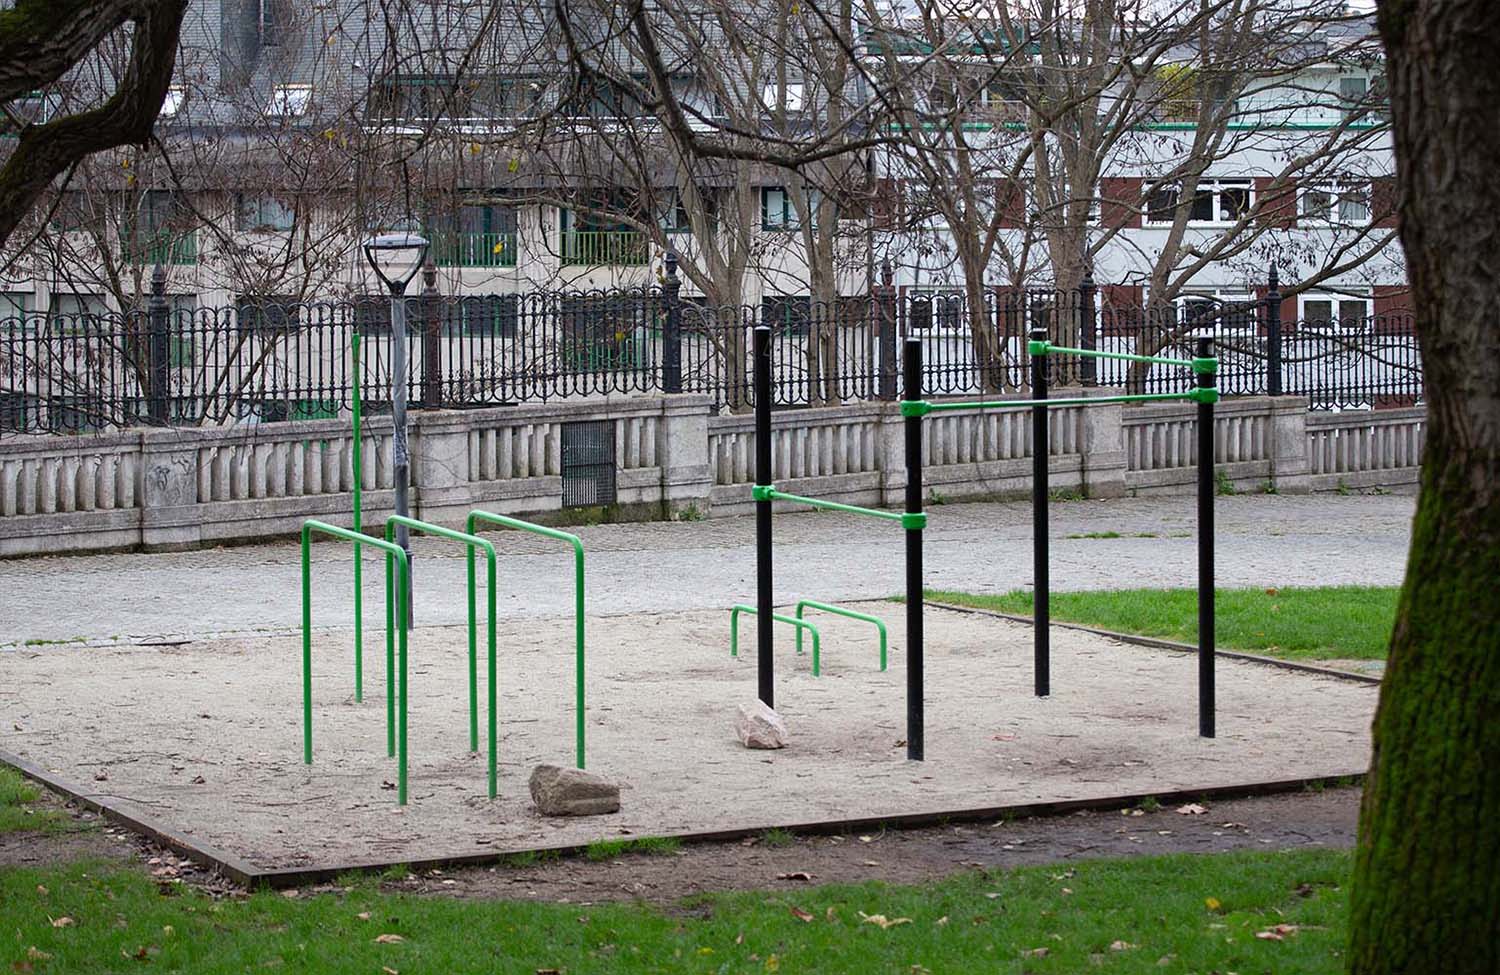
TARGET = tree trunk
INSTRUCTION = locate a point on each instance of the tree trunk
(1426, 893)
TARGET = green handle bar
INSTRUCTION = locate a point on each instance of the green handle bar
(734, 632)
(505, 521)
(470, 543)
(395, 630)
(807, 604)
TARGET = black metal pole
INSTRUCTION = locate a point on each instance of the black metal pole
(1273, 334)
(765, 662)
(671, 336)
(158, 321)
(1042, 620)
(911, 366)
(1206, 549)
(1087, 334)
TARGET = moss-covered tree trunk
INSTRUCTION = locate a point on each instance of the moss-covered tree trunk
(1426, 894)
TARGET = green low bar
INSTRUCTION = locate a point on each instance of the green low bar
(1047, 348)
(505, 521)
(807, 604)
(924, 407)
(470, 541)
(734, 632)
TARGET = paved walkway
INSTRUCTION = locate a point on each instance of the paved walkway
(1262, 541)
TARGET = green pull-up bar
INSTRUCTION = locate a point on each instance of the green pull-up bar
(922, 407)
(910, 520)
(734, 631)
(807, 604)
(395, 629)
(1207, 364)
(470, 542)
(476, 517)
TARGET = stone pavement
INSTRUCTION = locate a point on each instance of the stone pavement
(1263, 540)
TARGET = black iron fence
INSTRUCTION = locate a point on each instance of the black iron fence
(256, 362)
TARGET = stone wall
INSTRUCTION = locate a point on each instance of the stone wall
(188, 487)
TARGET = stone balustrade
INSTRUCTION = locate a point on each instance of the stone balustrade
(190, 486)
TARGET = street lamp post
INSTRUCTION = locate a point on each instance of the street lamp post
(396, 257)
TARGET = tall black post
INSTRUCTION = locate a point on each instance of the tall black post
(765, 661)
(671, 334)
(432, 339)
(1087, 334)
(911, 366)
(885, 326)
(1206, 549)
(1273, 334)
(1042, 620)
(158, 315)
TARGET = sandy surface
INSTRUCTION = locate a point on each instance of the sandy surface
(145, 724)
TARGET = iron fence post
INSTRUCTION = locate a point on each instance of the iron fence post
(671, 336)
(158, 318)
(1273, 334)
(432, 350)
(885, 326)
(1206, 490)
(1086, 331)
(1040, 557)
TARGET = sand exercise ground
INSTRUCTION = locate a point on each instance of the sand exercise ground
(206, 737)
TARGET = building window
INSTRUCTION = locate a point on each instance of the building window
(78, 312)
(272, 313)
(172, 103)
(289, 101)
(1215, 202)
(794, 92)
(490, 316)
(1217, 313)
(255, 212)
(1335, 313)
(1337, 202)
(929, 309)
(14, 307)
(777, 212)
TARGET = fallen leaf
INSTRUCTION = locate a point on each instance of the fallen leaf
(831, 915)
(1273, 592)
(882, 921)
(1276, 932)
(993, 894)
(1212, 903)
(1121, 946)
(387, 970)
(1005, 737)
(1269, 936)
(36, 954)
(388, 786)
(1304, 890)
(363, 915)
(167, 930)
(1191, 809)
(739, 939)
(389, 939)
(800, 914)
(773, 964)
(101, 776)
(795, 875)
(61, 922)
(43, 890)
(942, 921)
(1036, 953)
(198, 780)
(867, 839)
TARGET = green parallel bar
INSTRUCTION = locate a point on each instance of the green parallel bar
(470, 543)
(768, 492)
(359, 588)
(807, 604)
(1035, 347)
(734, 633)
(395, 558)
(923, 407)
(578, 605)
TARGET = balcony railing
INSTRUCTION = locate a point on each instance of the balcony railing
(473, 250)
(162, 248)
(605, 247)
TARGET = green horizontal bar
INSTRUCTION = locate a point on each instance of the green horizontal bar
(1035, 347)
(768, 492)
(807, 604)
(919, 407)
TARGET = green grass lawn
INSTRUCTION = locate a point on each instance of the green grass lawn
(1175, 914)
(17, 812)
(1351, 622)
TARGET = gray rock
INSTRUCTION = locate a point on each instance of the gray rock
(760, 727)
(572, 792)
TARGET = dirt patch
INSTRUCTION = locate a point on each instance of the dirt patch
(206, 737)
(786, 863)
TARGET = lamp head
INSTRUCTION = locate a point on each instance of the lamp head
(396, 257)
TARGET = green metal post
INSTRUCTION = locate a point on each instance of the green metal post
(306, 651)
(359, 588)
(806, 604)
(734, 633)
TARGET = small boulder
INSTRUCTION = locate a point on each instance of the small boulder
(572, 792)
(758, 726)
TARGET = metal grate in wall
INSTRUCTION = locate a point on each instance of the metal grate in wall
(588, 463)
